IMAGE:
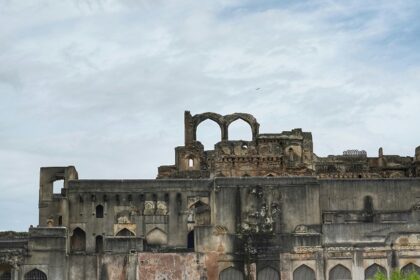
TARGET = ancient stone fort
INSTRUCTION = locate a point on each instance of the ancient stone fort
(264, 209)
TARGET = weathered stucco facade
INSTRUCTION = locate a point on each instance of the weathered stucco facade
(268, 208)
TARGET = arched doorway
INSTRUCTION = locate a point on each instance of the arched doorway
(304, 272)
(78, 240)
(373, 269)
(99, 244)
(340, 272)
(190, 240)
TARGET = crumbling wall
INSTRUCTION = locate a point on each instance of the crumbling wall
(170, 266)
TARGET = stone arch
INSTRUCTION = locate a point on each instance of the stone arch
(304, 272)
(373, 269)
(240, 130)
(35, 274)
(231, 273)
(248, 118)
(409, 268)
(199, 118)
(268, 273)
(78, 240)
(157, 237)
(125, 232)
(339, 272)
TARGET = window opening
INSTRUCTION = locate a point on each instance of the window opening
(57, 186)
(99, 211)
(99, 244)
(190, 240)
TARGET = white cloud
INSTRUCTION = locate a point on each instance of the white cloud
(103, 84)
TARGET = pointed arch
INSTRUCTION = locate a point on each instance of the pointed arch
(239, 129)
(125, 232)
(407, 269)
(231, 273)
(304, 272)
(373, 269)
(268, 273)
(157, 237)
(78, 240)
(252, 122)
(35, 274)
(339, 272)
(208, 133)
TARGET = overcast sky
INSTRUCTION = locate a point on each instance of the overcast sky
(103, 85)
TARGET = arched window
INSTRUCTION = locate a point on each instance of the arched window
(35, 274)
(190, 162)
(125, 232)
(99, 211)
(78, 240)
(268, 273)
(99, 244)
(231, 273)
(372, 270)
(240, 130)
(304, 272)
(339, 272)
(190, 240)
(209, 133)
(409, 268)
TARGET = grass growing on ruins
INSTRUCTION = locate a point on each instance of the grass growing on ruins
(397, 275)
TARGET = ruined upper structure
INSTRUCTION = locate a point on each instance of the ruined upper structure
(289, 153)
(241, 211)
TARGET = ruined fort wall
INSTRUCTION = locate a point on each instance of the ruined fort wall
(387, 194)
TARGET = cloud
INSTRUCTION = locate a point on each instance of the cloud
(102, 85)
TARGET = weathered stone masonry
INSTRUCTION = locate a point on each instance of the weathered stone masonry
(268, 208)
